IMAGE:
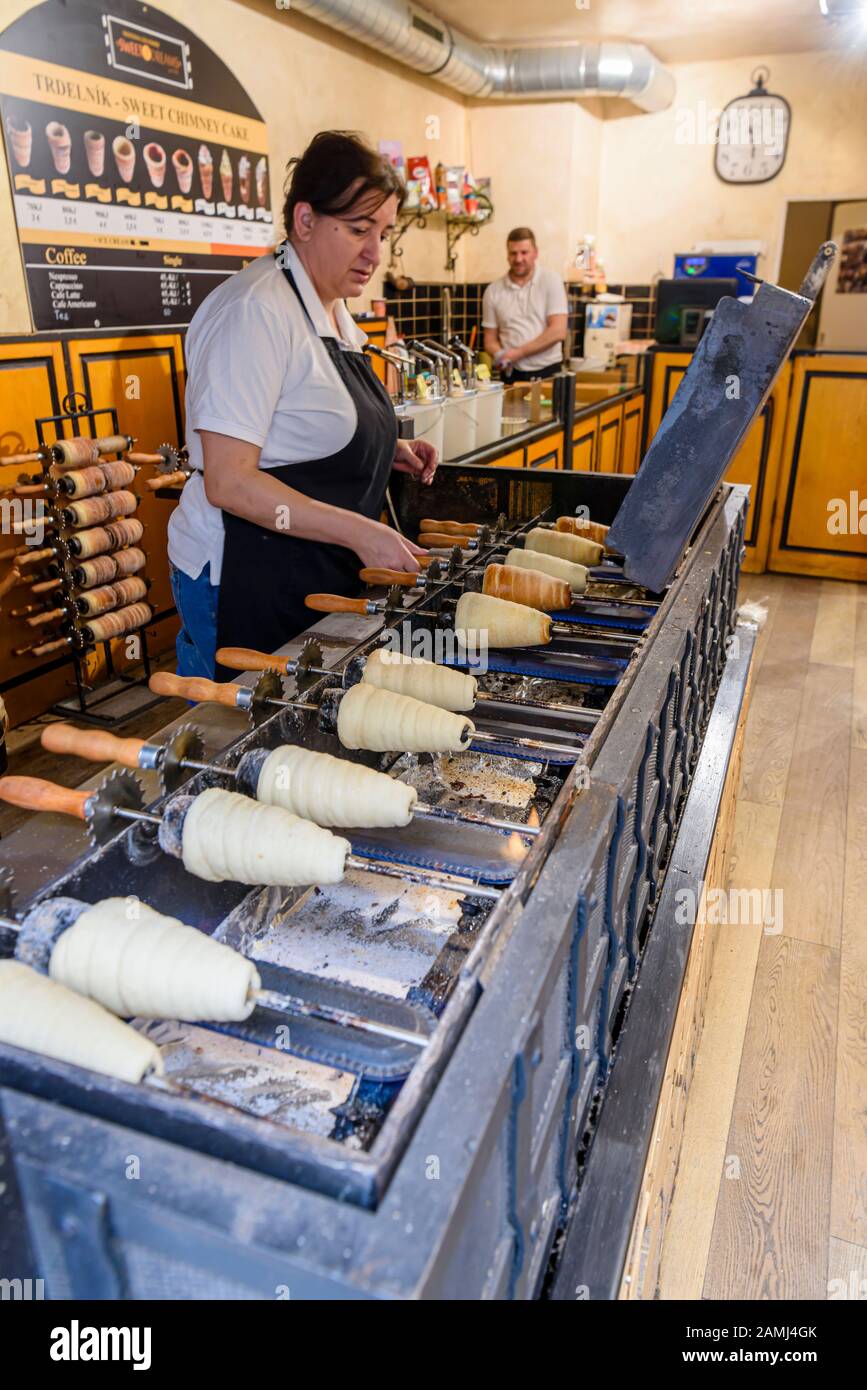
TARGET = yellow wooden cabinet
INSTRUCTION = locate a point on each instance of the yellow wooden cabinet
(34, 385)
(584, 443)
(756, 462)
(633, 422)
(546, 453)
(608, 438)
(820, 521)
(376, 330)
(513, 460)
(143, 376)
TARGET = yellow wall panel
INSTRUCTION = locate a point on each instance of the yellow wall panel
(823, 473)
(633, 421)
(32, 385)
(513, 460)
(143, 377)
(546, 453)
(584, 444)
(608, 438)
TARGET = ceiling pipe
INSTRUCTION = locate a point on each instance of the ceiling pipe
(415, 36)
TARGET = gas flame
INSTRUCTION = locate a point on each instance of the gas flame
(533, 818)
(516, 848)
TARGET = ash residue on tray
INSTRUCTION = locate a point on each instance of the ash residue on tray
(502, 787)
(251, 920)
(365, 931)
(360, 922)
(261, 1081)
(518, 687)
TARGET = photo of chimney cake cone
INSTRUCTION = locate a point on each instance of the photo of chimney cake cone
(244, 179)
(94, 148)
(60, 144)
(226, 176)
(206, 171)
(183, 167)
(124, 156)
(262, 182)
(20, 140)
(155, 159)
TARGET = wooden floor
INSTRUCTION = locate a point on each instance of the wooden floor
(771, 1196)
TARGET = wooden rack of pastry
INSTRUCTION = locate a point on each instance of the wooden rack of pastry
(75, 576)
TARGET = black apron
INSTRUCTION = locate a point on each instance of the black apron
(267, 574)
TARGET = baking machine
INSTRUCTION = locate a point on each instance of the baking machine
(427, 1121)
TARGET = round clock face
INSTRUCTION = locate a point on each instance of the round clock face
(753, 134)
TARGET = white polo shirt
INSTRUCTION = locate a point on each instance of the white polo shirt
(257, 371)
(521, 312)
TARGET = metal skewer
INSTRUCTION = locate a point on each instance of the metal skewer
(181, 757)
(119, 796)
(306, 668)
(40, 943)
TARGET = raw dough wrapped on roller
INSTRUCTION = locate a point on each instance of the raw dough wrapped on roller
(42, 1016)
(229, 836)
(560, 543)
(384, 722)
(332, 791)
(150, 966)
(531, 588)
(574, 575)
(504, 624)
(423, 680)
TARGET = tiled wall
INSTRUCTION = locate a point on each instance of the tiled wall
(418, 312)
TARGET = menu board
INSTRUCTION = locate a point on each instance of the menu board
(138, 165)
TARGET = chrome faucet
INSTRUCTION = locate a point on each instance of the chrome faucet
(448, 358)
(434, 361)
(469, 360)
(396, 360)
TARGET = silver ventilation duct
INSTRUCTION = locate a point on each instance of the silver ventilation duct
(415, 36)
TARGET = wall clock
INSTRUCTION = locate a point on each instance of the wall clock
(753, 135)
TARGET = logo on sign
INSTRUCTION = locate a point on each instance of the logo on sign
(147, 53)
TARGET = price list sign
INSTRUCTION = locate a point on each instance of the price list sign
(138, 165)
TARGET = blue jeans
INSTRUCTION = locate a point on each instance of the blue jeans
(196, 602)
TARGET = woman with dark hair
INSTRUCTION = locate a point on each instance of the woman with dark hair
(291, 434)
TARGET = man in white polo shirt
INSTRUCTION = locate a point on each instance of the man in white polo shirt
(525, 313)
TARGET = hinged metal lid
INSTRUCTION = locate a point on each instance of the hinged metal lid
(725, 386)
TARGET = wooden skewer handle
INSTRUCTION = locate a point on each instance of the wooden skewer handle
(145, 458)
(449, 528)
(434, 538)
(9, 582)
(246, 659)
(28, 489)
(6, 459)
(51, 615)
(45, 647)
(33, 557)
(194, 688)
(166, 480)
(402, 577)
(45, 586)
(335, 603)
(35, 794)
(94, 744)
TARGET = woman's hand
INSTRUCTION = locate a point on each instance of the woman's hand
(381, 547)
(417, 457)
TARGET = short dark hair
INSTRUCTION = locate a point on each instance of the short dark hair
(521, 234)
(325, 173)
